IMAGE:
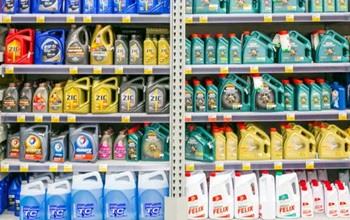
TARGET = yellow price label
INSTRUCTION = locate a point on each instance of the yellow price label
(278, 166)
(119, 70)
(342, 116)
(189, 20)
(38, 119)
(227, 118)
(126, 19)
(53, 168)
(290, 18)
(190, 167)
(68, 168)
(310, 165)
(188, 70)
(224, 70)
(70, 19)
(40, 19)
(24, 168)
(316, 18)
(289, 69)
(254, 69)
(55, 119)
(7, 19)
(219, 166)
(125, 119)
(21, 118)
(290, 117)
(5, 168)
(203, 19)
(188, 118)
(97, 70)
(103, 168)
(212, 118)
(71, 119)
(9, 70)
(87, 19)
(148, 70)
(73, 70)
(267, 18)
(246, 166)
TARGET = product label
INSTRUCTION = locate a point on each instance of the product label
(14, 143)
(55, 101)
(163, 54)
(31, 212)
(75, 53)
(9, 103)
(156, 100)
(85, 210)
(120, 54)
(48, 5)
(33, 148)
(188, 101)
(194, 149)
(316, 100)
(318, 204)
(14, 51)
(72, 99)
(211, 57)
(222, 54)
(132, 150)
(265, 98)
(150, 53)
(119, 150)
(104, 150)
(254, 53)
(57, 211)
(146, 5)
(51, 51)
(326, 100)
(198, 54)
(99, 53)
(200, 101)
(8, 6)
(212, 101)
(83, 148)
(40, 102)
(117, 210)
(244, 208)
(284, 207)
(220, 209)
(74, 6)
(25, 103)
(24, 5)
(335, 99)
(58, 153)
(288, 101)
(152, 147)
(102, 99)
(231, 98)
(128, 99)
(303, 102)
(135, 54)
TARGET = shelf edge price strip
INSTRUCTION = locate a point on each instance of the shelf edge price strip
(190, 167)
(23, 168)
(53, 168)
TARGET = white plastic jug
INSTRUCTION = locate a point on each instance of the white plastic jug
(58, 200)
(120, 196)
(221, 195)
(287, 195)
(32, 201)
(48, 177)
(344, 176)
(153, 187)
(87, 196)
(322, 175)
(246, 196)
(301, 174)
(331, 200)
(197, 195)
(267, 196)
(344, 198)
(307, 199)
(311, 174)
(318, 194)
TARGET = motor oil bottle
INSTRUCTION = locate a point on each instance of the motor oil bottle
(288, 95)
(197, 195)
(315, 95)
(10, 99)
(9, 6)
(331, 200)
(338, 96)
(132, 95)
(77, 46)
(318, 196)
(341, 6)
(32, 200)
(134, 144)
(19, 46)
(289, 6)
(267, 195)
(265, 6)
(58, 147)
(200, 145)
(299, 143)
(163, 51)
(233, 94)
(153, 187)
(13, 145)
(326, 94)
(188, 52)
(231, 143)
(220, 195)
(235, 50)
(302, 95)
(209, 7)
(50, 6)
(246, 196)
(25, 98)
(56, 99)
(155, 143)
(287, 195)
(157, 93)
(14, 188)
(77, 96)
(87, 196)
(212, 96)
(220, 143)
(3, 34)
(120, 196)
(125, 6)
(105, 147)
(254, 144)
(34, 143)
(306, 199)
(210, 49)
(104, 95)
(50, 46)
(257, 48)
(73, 7)
(316, 5)
(104, 7)
(121, 56)
(41, 98)
(120, 145)
(83, 143)
(200, 96)
(247, 6)
(222, 49)
(135, 50)
(102, 46)
(344, 198)
(276, 144)
(189, 97)
(58, 200)
(189, 6)
(197, 49)
(329, 5)
(89, 7)
(149, 51)
(333, 143)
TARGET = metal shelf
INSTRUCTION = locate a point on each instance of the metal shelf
(329, 115)
(269, 165)
(84, 69)
(269, 68)
(266, 18)
(82, 118)
(84, 18)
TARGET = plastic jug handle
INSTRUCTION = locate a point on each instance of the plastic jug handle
(111, 38)
(61, 184)
(127, 174)
(36, 185)
(157, 173)
(93, 176)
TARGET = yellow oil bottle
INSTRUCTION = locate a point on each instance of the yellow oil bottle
(104, 95)
(163, 51)
(102, 46)
(231, 144)
(333, 143)
(299, 143)
(150, 51)
(220, 143)
(276, 144)
(77, 96)
(254, 143)
(56, 99)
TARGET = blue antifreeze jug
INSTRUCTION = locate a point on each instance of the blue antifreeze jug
(9, 6)
(150, 6)
(89, 7)
(105, 6)
(58, 199)
(338, 96)
(4, 184)
(73, 6)
(33, 201)
(47, 6)
(50, 47)
(125, 6)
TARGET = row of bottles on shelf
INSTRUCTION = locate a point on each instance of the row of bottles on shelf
(262, 195)
(251, 142)
(85, 143)
(52, 46)
(84, 95)
(263, 93)
(326, 46)
(86, 6)
(264, 6)
(90, 196)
